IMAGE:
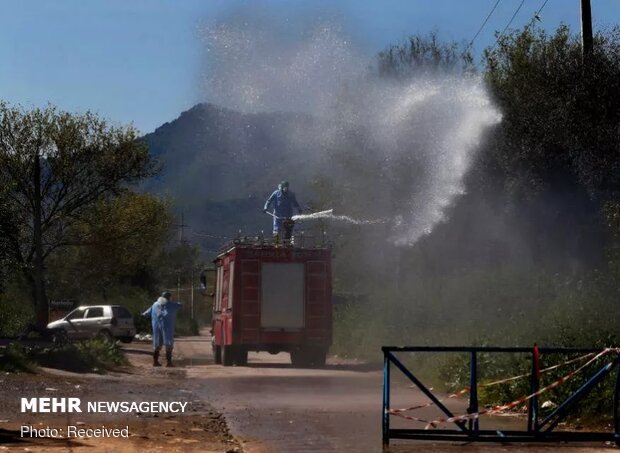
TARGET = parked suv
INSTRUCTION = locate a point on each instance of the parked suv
(108, 322)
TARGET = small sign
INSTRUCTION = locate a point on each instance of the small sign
(62, 303)
(59, 308)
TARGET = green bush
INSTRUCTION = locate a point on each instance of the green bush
(503, 307)
(579, 315)
(101, 353)
(17, 312)
(454, 373)
(360, 330)
(186, 326)
(85, 356)
(15, 358)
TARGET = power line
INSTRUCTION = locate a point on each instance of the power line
(509, 22)
(513, 17)
(205, 235)
(537, 15)
(471, 43)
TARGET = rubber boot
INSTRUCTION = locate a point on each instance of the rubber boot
(169, 358)
(156, 358)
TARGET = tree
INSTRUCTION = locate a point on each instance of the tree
(557, 149)
(57, 166)
(423, 55)
(561, 117)
(119, 242)
(6, 229)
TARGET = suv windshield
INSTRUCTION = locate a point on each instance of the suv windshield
(78, 313)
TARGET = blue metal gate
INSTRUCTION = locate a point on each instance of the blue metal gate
(466, 427)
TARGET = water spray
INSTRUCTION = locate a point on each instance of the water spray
(414, 138)
(329, 215)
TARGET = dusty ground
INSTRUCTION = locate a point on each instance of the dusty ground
(272, 407)
(268, 405)
(201, 429)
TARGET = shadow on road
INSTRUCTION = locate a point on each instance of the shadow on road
(137, 351)
(14, 437)
(360, 367)
(200, 339)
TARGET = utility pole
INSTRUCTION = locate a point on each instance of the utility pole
(192, 296)
(587, 40)
(181, 227)
(41, 308)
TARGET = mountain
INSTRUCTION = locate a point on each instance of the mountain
(219, 166)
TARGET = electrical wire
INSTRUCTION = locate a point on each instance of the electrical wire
(471, 43)
(536, 17)
(205, 235)
(509, 23)
(540, 9)
(512, 18)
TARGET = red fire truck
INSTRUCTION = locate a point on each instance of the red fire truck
(272, 298)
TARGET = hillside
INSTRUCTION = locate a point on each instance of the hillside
(218, 167)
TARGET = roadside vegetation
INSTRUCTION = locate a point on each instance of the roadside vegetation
(14, 359)
(90, 356)
(75, 225)
(531, 252)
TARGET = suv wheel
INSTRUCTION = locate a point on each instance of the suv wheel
(60, 338)
(105, 335)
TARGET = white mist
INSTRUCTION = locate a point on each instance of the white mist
(431, 125)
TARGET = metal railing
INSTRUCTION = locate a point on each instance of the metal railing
(466, 426)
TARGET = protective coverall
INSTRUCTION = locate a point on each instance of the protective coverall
(163, 317)
(283, 203)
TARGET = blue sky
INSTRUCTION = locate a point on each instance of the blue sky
(141, 61)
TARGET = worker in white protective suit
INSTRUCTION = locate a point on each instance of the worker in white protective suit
(283, 202)
(163, 318)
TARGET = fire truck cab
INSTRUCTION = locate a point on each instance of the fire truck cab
(274, 299)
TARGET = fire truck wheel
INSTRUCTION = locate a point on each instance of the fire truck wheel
(217, 354)
(241, 357)
(300, 358)
(318, 357)
(309, 357)
(228, 355)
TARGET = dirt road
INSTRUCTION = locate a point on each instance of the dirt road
(198, 429)
(268, 406)
(272, 407)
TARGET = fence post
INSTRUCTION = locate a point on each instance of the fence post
(386, 400)
(532, 410)
(473, 392)
(617, 405)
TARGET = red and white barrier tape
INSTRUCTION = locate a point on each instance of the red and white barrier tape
(414, 419)
(490, 384)
(502, 408)
(521, 376)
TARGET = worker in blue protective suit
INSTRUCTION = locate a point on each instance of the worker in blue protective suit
(282, 201)
(163, 317)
